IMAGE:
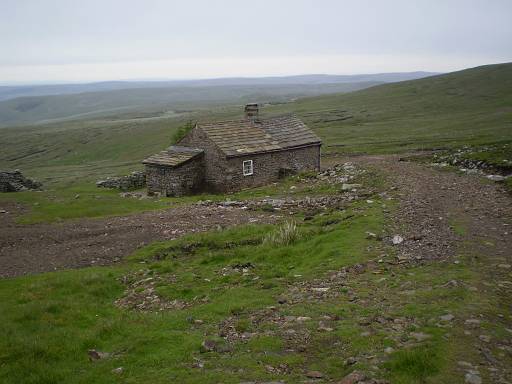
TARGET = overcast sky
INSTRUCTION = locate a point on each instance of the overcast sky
(90, 40)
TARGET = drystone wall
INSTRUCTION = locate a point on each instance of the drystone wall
(135, 180)
(14, 181)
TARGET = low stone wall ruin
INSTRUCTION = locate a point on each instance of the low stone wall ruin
(14, 181)
(135, 180)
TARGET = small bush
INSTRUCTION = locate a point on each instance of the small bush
(286, 234)
(182, 131)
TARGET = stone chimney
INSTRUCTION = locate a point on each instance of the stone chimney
(252, 111)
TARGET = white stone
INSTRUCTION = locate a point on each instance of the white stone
(397, 239)
(320, 289)
(471, 378)
(447, 317)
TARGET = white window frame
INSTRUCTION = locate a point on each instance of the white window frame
(247, 167)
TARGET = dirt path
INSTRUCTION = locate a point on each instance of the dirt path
(28, 249)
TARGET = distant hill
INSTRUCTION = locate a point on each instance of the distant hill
(11, 92)
(155, 102)
(472, 106)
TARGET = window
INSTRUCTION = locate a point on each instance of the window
(247, 167)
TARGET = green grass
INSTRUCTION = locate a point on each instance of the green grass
(53, 319)
(79, 201)
(415, 365)
(69, 153)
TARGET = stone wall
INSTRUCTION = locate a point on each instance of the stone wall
(14, 181)
(269, 167)
(135, 180)
(185, 179)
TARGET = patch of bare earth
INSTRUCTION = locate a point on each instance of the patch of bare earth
(36, 248)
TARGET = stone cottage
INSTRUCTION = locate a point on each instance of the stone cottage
(231, 155)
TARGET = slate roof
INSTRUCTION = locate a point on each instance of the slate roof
(241, 137)
(173, 156)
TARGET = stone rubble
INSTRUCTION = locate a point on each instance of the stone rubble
(14, 181)
(460, 159)
(141, 295)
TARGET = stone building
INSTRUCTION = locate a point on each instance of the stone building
(231, 155)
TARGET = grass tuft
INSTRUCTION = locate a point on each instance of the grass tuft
(286, 234)
(414, 366)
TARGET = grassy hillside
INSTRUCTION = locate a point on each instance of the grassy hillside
(83, 150)
(473, 106)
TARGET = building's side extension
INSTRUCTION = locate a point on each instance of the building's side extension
(182, 180)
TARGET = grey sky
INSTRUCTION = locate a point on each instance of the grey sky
(88, 40)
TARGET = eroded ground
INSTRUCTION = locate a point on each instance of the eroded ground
(35, 248)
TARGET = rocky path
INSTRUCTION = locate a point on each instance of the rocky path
(28, 249)
(445, 217)
(432, 203)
